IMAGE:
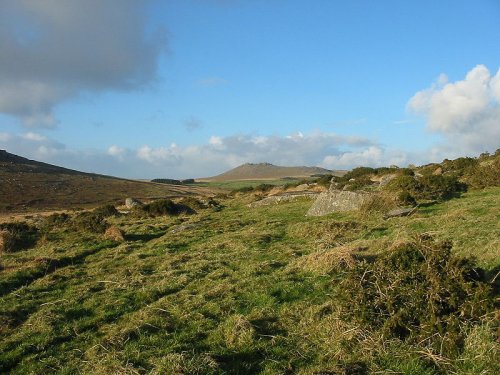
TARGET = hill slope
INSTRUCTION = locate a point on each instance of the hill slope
(264, 171)
(237, 291)
(28, 184)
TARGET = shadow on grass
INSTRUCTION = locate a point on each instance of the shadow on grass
(27, 276)
(144, 237)
(242, 363)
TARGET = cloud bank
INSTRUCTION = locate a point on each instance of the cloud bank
(465, 112)
(54, 50)
(216, 155)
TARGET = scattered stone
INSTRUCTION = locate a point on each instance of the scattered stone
(438, 171)
(114, 233)
(132, 202)
(337, 201)
(400, 212)
(287, 197)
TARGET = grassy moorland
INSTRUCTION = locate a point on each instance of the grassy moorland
(234, 290)
(28, 185)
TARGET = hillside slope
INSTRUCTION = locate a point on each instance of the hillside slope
(27, 184)
(236, 291)
(265, 171)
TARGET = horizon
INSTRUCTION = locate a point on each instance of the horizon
(182, 89)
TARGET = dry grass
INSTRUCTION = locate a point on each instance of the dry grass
(327, 260)
(239, 291)
(381, 202)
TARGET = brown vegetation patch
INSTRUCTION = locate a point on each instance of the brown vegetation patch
(114, 233)
(327, 261)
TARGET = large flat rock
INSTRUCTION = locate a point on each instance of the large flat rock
(337, 201)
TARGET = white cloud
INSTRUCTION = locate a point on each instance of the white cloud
(31, 145)
(116, 152)
(31, 136)
(217, 155)
(215, 141)
(158, 156)
(54, 50)
(373, 156)
(466, 112)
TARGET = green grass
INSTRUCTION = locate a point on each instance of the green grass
(228, 295)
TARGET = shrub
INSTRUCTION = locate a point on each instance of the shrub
(358, 172)
(358, 183)
(263, 187)
(193, 203)
(164, 207)
(243, 189)
(324, 180)
(402, 183)
(406, 172)
(381, 202)
(106, 210)
(427, 187)
(56, 219)
(484, 175)
(418, 292)
(439, 187)
(90, 222)
(17, 236)
(405, 198)
(459, 165)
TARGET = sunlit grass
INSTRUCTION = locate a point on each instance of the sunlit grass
(238, 291)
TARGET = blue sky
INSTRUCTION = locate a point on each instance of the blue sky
(194, 87)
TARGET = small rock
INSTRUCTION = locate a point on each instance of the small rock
(384, 180)
(438, 171)
(400, 212)
(132, 202)
(114, 233)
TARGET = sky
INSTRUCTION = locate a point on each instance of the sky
(192, 88)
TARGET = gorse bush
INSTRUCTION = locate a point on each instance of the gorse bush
(57, 219)
(438, 187)
(432, 187)
(484, 175)
(406, 199)
(324, 180)
(261, 188)
(193, 203)
(90, 222)
(164, 207)
(379, 202)
(106, 210)
(18, 236)
(418, 292)
(358, 183)
(358, 172)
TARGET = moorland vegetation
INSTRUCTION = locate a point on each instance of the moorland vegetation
(211, 286)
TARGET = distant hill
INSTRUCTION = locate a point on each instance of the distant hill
(32, 185)
(267, 171)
